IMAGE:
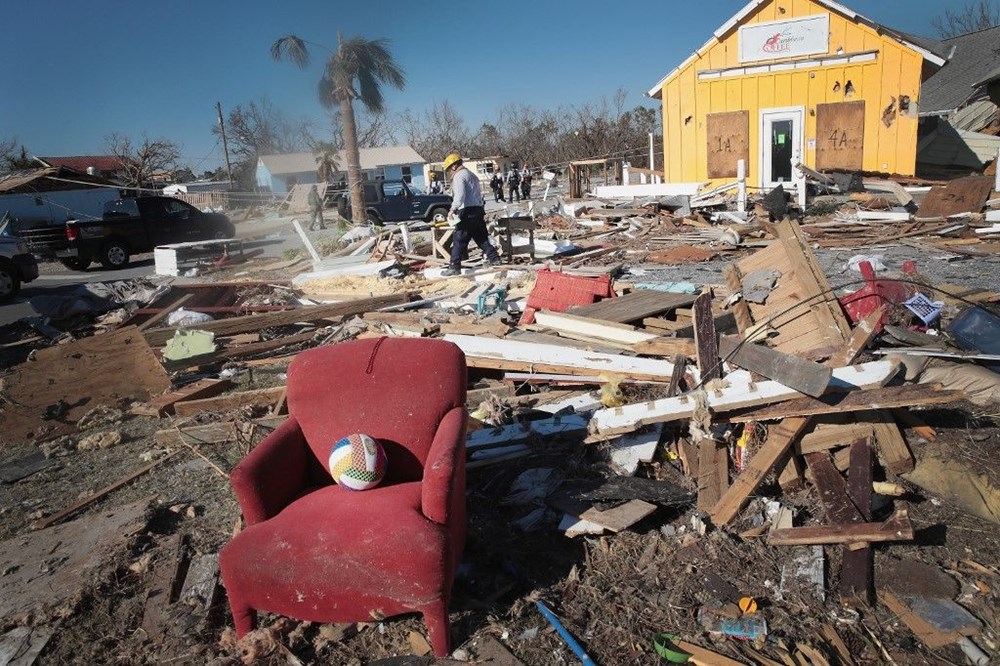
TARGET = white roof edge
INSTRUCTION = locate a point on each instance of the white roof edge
(753, 4)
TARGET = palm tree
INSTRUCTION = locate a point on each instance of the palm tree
(357, 70)
(326, 160)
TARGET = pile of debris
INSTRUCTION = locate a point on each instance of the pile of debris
(739, 458)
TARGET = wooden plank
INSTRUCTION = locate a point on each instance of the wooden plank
(200, 584)
(256, 322)
(896, 528)
(962, 195)
(634, 306)
(162, 590)
(706, 340)
(704, 657)
(741, 311)
(791, 478)
(832, 490)
(727, 142)
(210, 433)
(229, 402)
(857, 566)
(21, 645)
(826, 436)
(800, 374)
(855, 401)
(680, 365)
(662, 346)
(840, 135)
(927, 633)
(739, 391)
(713, 472)
(620, 517)
(163, 405)
(834, 640)
(892, 448)
(591, 328)
(508, 354)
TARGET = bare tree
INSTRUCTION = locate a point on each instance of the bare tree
(436, 132)
(971, 17)
(12, 159)
(141, 160)
(374, 129)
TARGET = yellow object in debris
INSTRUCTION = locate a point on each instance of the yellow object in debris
(748, 605)
(611, 392)
(744, 438)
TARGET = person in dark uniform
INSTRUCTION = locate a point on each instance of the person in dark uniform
(468, 205)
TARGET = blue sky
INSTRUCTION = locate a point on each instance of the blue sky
(77, 71)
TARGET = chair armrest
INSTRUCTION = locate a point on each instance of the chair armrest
(272, 474)
(444, 470)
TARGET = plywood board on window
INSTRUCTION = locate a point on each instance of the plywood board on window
(728, 142)
(840, 135)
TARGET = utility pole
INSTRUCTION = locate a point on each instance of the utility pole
(225, 145)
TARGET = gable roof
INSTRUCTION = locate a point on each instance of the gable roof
(104, 163)
(49, 179)
(371, 158)
(927, 48)
(974, 61)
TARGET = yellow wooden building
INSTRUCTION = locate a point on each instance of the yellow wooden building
(794, 80)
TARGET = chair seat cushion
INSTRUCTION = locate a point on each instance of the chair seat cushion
(337, 555)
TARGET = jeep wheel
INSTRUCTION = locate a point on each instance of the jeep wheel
(437, 210)
(10, 282)
(75, 263)
(114, 254)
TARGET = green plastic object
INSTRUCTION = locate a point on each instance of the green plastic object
(188, 343)
(663, 643)
(490, 301)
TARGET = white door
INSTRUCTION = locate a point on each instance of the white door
(781, 145)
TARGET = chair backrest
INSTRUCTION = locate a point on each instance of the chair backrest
(396, 390)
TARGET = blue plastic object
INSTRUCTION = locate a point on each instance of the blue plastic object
(566, 636)
(976, 329)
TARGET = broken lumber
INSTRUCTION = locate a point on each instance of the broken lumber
(228, 402)
(838, 403)
(255, 322)
(800, 374)
(706, 340)
(896, 528)
(163, 405)
(857, 565)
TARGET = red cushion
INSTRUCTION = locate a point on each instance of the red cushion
(396, 558)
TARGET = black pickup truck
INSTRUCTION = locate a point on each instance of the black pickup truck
(394, 201)
(128, 226)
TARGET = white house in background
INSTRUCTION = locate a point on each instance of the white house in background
(279, 173)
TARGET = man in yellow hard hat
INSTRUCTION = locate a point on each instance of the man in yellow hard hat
(468, 205)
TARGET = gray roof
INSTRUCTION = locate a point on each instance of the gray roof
(976, 55)
(371, 158)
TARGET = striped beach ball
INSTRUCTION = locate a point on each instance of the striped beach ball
(357, 462)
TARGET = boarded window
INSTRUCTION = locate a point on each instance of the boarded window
(840, 135)
(728, 142)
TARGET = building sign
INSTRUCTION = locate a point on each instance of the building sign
(785, 39)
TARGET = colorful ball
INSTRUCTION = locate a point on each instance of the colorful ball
(358, 462)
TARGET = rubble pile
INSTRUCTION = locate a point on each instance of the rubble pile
(775, 465)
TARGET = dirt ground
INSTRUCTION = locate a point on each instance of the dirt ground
(614, 592)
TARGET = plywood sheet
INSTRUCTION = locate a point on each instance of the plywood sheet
(840, 135)
(728, 142)
(635, 306)
(49, 394)
(963, 195)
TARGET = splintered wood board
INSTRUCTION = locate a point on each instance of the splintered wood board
(963, 195)
(103, 369)
(840, 135)
(635, 306)
(801, 306)
(728, 142)
(163, 405)
(508, 354)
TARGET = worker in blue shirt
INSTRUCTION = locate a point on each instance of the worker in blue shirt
(468, 205)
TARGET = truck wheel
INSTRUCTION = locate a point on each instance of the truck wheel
(437, 210)
(374, 218)
(75, 263)
(114, 254)
(10, 281)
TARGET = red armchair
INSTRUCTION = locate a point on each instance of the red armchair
(318, 552)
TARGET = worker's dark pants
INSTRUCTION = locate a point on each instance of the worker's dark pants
(514, 192)
(498, 194)
(471, 227)
(317, 219)
(525, 190)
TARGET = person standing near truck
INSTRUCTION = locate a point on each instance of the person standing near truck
(316, 207)
(469, 207)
